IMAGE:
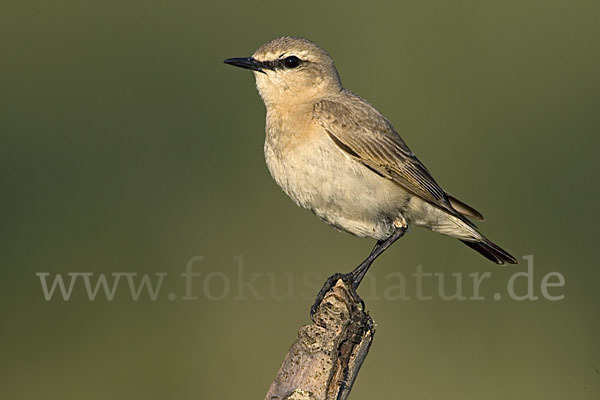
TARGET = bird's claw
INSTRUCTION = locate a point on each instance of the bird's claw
(348, 278)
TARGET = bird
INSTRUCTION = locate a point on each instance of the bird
(334, 154)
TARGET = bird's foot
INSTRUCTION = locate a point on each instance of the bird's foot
(349, 279)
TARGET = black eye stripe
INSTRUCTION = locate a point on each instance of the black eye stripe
(290, 62)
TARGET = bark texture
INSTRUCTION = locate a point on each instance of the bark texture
(323, 362)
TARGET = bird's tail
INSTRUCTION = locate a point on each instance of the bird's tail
(491, 251)
(454, 223)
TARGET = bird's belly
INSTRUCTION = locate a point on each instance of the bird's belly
(342, 192)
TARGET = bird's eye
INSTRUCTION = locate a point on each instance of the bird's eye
(291, 62)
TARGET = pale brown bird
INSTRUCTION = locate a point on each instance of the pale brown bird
(336, 155)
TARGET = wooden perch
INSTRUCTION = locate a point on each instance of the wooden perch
(324, 361)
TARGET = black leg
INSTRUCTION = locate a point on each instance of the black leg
(356, 276)
(359, 272)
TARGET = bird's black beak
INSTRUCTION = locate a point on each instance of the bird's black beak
(248, 63)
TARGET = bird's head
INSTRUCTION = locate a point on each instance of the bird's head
(291, 70)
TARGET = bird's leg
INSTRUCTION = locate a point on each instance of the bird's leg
(356, 276)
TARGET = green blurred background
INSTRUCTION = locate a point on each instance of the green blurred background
(126, 145)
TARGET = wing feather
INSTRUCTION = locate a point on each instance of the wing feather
(366, 135)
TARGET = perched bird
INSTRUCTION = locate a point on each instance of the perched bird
(336, 155)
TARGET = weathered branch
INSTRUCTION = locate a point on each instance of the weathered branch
(324, 361)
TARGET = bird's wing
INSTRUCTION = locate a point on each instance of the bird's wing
(366, 135)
